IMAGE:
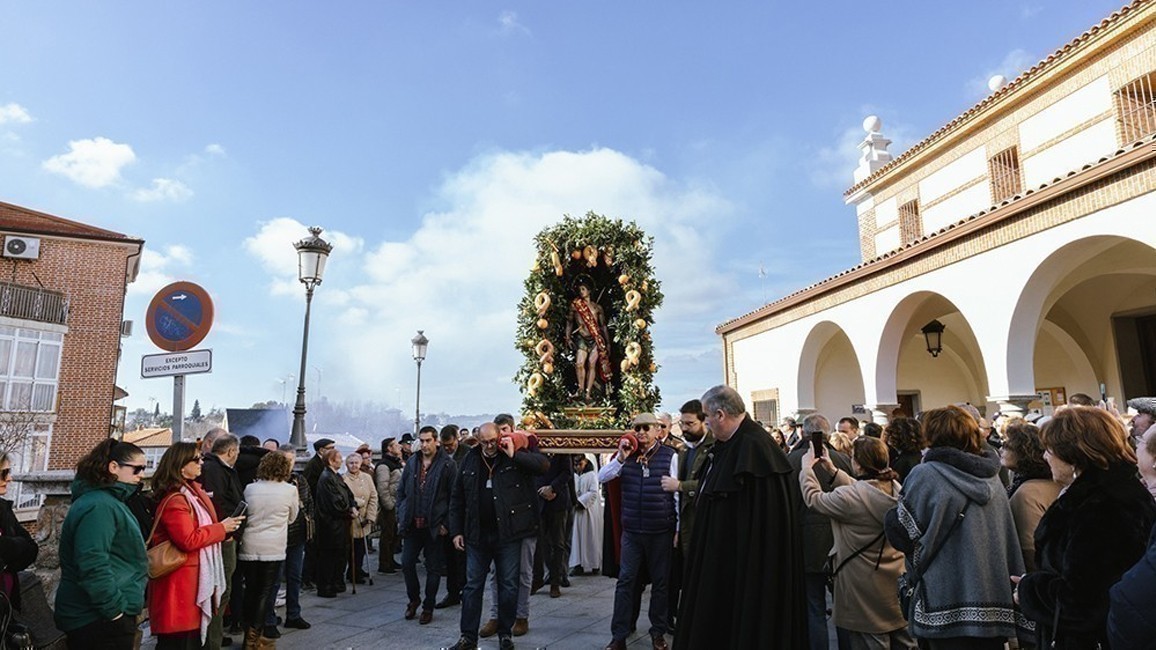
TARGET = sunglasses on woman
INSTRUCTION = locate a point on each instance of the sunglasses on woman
(136, 469)
(5, 473)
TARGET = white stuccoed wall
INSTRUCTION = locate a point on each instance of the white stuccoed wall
(988, 290)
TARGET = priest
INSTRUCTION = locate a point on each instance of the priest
(744, 578)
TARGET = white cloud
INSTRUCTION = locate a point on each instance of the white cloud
(156, 267)
(13, 113)
(833, 166)
(1028, 12)
(215, 150)
(508, 24)
(459, 275)
(163, 189)
(94, 162)
(273, 247)
(1013, 63)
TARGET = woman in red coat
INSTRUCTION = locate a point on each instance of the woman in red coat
(182, 602)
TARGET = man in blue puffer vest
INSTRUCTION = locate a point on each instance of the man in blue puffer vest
(649, 527)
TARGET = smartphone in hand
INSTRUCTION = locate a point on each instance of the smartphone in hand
(817, 443)
(240, 509)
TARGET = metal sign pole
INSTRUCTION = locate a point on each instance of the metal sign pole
(178, 407)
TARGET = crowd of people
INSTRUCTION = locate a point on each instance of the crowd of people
(942, 531)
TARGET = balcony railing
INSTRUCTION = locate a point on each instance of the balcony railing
(33, 303)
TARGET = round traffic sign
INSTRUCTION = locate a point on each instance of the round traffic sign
(179, 316)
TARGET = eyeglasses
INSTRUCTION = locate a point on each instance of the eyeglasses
(136, 469)
(639, 428)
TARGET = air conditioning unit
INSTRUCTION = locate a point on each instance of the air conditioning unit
(126, 328)
(21, 248)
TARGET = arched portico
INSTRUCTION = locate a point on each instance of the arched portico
(830, 379)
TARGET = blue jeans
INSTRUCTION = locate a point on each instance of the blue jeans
(817, 610)
(653, 549)
(416, 541)
(507, 558)
(291, 574)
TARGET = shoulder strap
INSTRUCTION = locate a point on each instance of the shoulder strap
(942, 542)
(860, 552)
(157, 516)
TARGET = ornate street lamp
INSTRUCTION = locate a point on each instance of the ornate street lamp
(311, 255)
(420, 343)
(933, 334)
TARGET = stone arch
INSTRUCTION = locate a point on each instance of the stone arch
(824, 339)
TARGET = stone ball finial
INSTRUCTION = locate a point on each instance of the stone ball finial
(996, 82)
(873, 124)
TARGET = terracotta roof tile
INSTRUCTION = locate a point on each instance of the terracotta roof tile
(1047, 63)
(16, 218)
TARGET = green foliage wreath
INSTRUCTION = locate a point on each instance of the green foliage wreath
(615, 257)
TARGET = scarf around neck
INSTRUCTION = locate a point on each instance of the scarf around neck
(211, 576)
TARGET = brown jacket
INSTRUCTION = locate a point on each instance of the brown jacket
(1028, 505)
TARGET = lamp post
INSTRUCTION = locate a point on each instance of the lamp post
(420, 342)
(311, 255)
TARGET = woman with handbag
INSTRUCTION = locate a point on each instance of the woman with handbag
(273, 503)
(103, 565)
(954, 524)
(1094, 532)
(187, 570)
(865, 567)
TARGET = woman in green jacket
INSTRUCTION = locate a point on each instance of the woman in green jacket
(103, 564)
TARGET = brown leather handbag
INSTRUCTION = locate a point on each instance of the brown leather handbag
(164, 558)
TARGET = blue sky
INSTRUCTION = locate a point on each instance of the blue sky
(433, 139)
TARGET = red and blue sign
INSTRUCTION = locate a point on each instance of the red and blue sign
(179, 316)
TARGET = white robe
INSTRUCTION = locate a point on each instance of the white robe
(586, 546)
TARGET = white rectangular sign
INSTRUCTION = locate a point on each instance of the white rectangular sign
(189, 362)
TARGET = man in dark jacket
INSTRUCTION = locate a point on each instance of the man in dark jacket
(649, 524)
(555, 491)
(455, 559)
(312, 472)
(817, 535)
(492, 510)
(423, 504)
(299, 532)
(221, 482)
(250, 456)
(743, 584)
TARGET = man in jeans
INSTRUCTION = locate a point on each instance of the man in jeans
(649, 525)
(492, 510)
(423, 503)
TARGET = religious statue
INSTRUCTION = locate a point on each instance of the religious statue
(591, 349)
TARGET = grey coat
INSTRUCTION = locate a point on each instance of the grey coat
(966, 590)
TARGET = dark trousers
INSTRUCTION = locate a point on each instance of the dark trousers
(413, 544)
(291, 572)
(638, 549)
(236, 593)
(455, 570)
(260, 579)
(385, 561)
(507, 558)
(568, 536)
(817, 610)
(180, 641)
(550, 554)
(107, 635)
(674, 588)
(309, 566)
(331, 563)
(358, 561)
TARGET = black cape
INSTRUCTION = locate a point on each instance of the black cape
(744, 583)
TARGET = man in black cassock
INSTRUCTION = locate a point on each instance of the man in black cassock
(744, 583)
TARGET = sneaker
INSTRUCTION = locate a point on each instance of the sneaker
(298, 624)
(521, 626)
(505, 643)
(271, 632)
(491, 628)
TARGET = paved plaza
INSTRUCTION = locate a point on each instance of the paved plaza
(579, 620)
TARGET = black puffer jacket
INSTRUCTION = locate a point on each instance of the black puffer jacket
(1085, 542)
(515, 495)
(300, 527)
(17, 549)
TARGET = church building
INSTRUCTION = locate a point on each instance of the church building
(1008, 259)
